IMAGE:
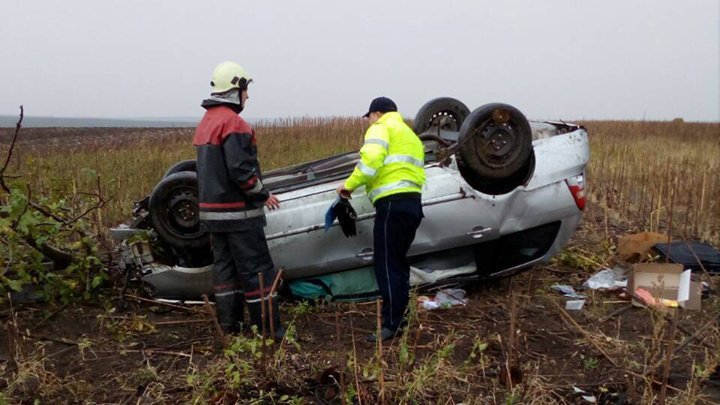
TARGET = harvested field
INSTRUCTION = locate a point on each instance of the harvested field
(514, 343)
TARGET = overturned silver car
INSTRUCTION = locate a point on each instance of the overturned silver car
(502, 194)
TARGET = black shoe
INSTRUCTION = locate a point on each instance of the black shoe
(385, 334)
(255, 311)
(279, 334)
(236, 328)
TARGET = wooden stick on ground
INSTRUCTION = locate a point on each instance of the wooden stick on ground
(378, 339)
(262, 317)
(167, 304)
(668, 357)
(684, 343)
(615, 313)
(510, 358)
(340, 354)
(355, 366)
(271, 308)
(278, 277)
(696, 338)
(652, 380)
(211, 312)
(151, 352)
(567, 317)
(12, 337)
(47, 318)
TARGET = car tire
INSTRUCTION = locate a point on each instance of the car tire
(495, 141)
(444, 112)
(182, 166)
(498, 186)
(173, 208)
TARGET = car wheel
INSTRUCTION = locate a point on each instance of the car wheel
(495, 141)
(173, 210)
(183, 166)
(445, 113)
(498, 186)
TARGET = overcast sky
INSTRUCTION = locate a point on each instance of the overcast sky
(608, 59)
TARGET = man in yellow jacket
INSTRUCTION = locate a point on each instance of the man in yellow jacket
(392, 169)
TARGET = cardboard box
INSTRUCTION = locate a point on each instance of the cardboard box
(666, 280)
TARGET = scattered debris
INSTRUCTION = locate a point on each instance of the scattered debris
(445, 298)
(634, 247)
(567, 291)
(574, 305)
(449, 297)
(650, 300)
(696, 256)
(608, 279)
(427, 303)
(588, 398)
(664, 285)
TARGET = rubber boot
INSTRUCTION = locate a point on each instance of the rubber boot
(229, 309)
(255, 311)
(277, 325)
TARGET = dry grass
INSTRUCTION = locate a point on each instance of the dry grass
(658, 176)
(662, 176)
(127, 163)
(449, 356)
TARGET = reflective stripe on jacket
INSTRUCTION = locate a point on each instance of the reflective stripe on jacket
(231, 195)
(392, 160)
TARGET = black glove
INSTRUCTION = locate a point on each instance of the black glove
(346, 216)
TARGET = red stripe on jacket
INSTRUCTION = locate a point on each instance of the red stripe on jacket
(249, 184)
(217, 124)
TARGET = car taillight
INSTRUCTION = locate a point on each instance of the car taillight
(576, 184)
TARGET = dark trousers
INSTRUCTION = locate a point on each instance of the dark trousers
(239, 257)
(396, 222)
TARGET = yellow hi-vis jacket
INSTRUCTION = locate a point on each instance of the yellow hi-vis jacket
(392, 160)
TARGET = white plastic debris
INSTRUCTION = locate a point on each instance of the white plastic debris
(567, 291)
(450, 297)
(607, 278)
(445, 298)
(588, 398)
(574, 305)
(563, 288)
(429, 304)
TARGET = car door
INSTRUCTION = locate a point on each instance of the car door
(455, 215)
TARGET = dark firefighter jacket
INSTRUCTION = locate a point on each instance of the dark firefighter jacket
(231, 195)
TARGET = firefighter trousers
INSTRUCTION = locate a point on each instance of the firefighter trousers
(239, 260)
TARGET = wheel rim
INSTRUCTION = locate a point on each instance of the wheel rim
(496, 143)
(445, 120)
(183, 209)
(182, 214)
(495, 139)
(443, 113)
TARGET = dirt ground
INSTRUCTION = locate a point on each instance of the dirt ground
(513, 343)
(143, 352)
(72, 137)
(38, 141)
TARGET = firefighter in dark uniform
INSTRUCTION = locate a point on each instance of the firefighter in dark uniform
(232, 202)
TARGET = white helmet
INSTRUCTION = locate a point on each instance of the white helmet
(228, 76)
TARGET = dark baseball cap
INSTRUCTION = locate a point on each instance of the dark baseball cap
(381, 104)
